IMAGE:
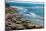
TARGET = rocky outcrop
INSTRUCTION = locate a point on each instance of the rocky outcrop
(14, 22)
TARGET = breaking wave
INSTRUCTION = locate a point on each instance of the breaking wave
(28, 15)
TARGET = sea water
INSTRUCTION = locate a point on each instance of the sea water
(30, 11)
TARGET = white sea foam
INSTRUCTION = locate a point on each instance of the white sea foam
(37, 7)
(22, 10)
(31, 16)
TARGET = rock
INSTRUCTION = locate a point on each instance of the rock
(15, 22)
(9, 28)
(29, 25)
(13, 25)
(17, 14)
(38, 26)
(20, 26)
(7, 23)
(18, 22)
(14, 18)
(22, 19)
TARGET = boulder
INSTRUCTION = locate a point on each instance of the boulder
(20, 26)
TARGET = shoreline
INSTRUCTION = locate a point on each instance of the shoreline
(15, 23)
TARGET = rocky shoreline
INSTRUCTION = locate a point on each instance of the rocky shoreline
(14, 22)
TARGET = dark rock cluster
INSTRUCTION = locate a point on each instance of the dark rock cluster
(14, 22)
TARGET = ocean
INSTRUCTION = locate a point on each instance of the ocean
(30, 11)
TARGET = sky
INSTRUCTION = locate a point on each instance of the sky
(25, 1)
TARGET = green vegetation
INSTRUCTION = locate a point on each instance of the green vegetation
(10, 11)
